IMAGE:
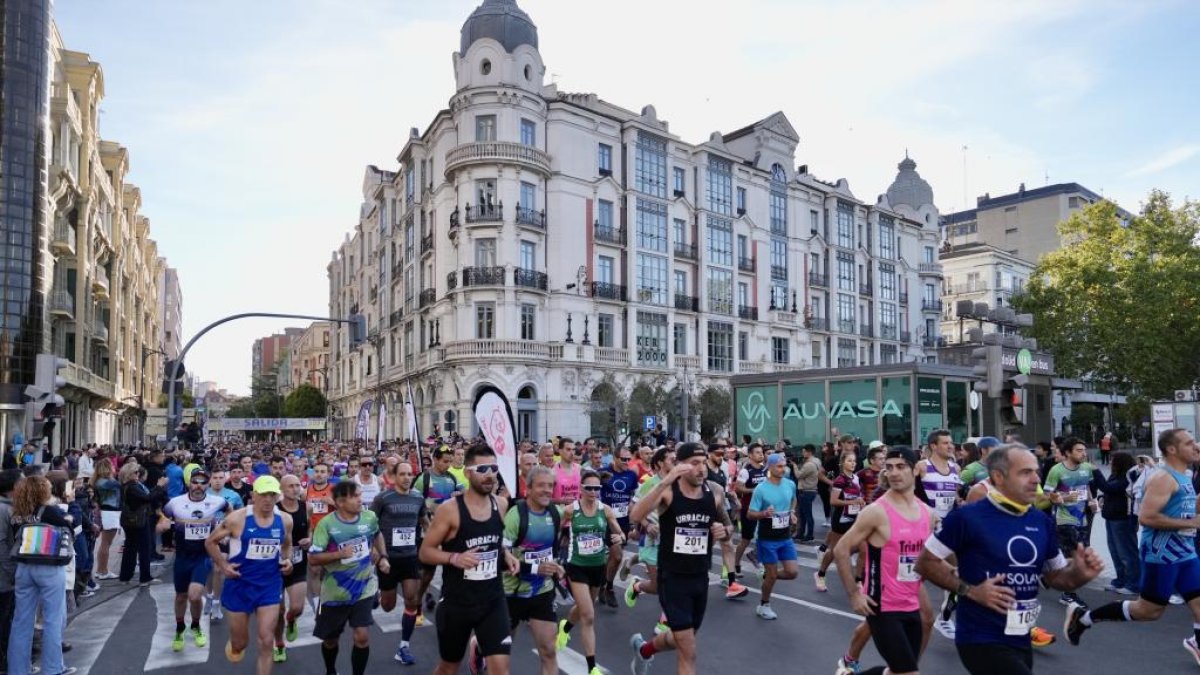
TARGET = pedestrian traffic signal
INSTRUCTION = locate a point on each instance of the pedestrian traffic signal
(988, 366)
(1012, 407)
(171, 378)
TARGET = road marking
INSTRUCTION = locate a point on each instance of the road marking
(572, 662)
(387, 622)
(160, 655)
(91, 630)
(810, 605)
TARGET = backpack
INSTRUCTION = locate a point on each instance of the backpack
(523, 525)
(37, 543)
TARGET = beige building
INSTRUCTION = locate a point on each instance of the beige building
(977, 272)
(102, 311)
(308, 359)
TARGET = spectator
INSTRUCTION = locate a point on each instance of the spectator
(37, 584)
(137, 519)
(8, 567)
(1121, 526)
(808, 479)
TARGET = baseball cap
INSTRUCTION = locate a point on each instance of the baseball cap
(988, 442)
(266, 485)
(875, 444)
(689, 450)
(199, 471)
(903, 452)
(777, 458)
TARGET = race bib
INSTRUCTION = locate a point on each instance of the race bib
(1081, 494)
(404, 536)
(691, 541)
(590, 544)
(620, 510)
(360, 546)
(1189, 532)
(781, 521)
(486, 569)
(297, 555)
(318, 507)
(1022, 617)
(262, 549)
(944, 503)
(537, 557)
(196, 531)
(906, 569)
(853, 509)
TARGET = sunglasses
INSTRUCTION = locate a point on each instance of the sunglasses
(592, 488)
(626, 459)
(199, 482)
(485, 468)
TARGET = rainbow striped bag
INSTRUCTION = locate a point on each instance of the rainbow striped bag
(37, 543)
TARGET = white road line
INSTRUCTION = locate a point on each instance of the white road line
(160, 655)
(92, 630)
(810, 605)
(388, 622)
(572, 662)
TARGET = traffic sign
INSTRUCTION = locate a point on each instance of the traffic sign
(649, 422)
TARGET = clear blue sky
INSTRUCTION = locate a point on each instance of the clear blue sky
(249, 124)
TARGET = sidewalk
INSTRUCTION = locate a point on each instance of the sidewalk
(113, 588)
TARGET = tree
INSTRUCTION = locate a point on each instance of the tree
(186, 399)
(305, 401)
(716, 404)
(242, 408)
(1119, 301)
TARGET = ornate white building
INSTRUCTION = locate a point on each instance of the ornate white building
(538, 240)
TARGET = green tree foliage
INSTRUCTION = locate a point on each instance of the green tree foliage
(305, 401)
(716, 404)
(1120, 301)
(242, 408)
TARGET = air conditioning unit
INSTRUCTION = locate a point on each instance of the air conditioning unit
(1185, 395)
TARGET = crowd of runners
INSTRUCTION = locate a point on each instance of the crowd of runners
(262, 533)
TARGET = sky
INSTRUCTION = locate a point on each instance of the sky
(249, 124)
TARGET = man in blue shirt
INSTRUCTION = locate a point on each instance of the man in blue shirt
(774, 503)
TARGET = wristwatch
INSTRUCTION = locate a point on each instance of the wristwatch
(963, 589)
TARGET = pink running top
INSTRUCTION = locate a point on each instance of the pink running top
(566, 483)
(892, 579)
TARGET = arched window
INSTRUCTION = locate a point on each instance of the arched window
(778, 174)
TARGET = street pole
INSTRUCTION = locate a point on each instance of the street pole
(683, 404)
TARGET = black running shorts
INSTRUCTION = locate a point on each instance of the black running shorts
(332, 619)
(997, 659)
(592, 575)
(400, 570)
(537, 608)
(488, 620)
(683, 599)
(897, 636)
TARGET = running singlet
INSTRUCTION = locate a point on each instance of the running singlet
(369, 490)
(766, 495)
(588, 533)
(973, 473)
(644, 489)
(987, 541)
(230, 496)
(317, 508)
(892, 579)
(193, 521)
(685, 547)
(566, 483)
(299, 530)
(350, 579)
(749, 477)
(436, 488)
(618, 493)
(940, 488)
(851, 489)
(537, 547)
(1064, 481)
(257, 551)
(400, 522)
(1173, 546)
(482, 583)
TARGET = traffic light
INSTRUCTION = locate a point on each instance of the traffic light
(358, 330)
(173, 379)
(988, 366)
(45, 404)
(1012, 406)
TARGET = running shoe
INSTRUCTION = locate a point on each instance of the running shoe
(735, 591)
(1190, 645)
(765, 612)
(1125, 591)
(208, 604)
(279, 654)
(1068, 599)
(430, 602)
(564, 637)
(92, 585)
(608, 597)
(231, 655)
(87, 593)
(420, 619)
(661, 627)
(820, 581)
(217, 615)
(1040, 637)
(107, 576)
(1175, 599)
(1072, 624)
(625, 569)
(631, 594)
(639, 665)
(946, 627)
(177, 643)
(846, 666)
(292, 631)
(475, 662)
(596, 671)
(199, 637)
(403, 655)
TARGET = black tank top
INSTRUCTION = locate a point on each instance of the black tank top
(717, 476)
(484, 582)
(686, 542)
(753, 478)
(299, 530)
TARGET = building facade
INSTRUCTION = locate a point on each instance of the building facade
(539, 241)
(308, 359)
(170, 308)
(977, 272)
(269, 351)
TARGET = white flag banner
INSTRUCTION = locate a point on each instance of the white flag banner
(495, 419)
(382, 422)
(363, 423)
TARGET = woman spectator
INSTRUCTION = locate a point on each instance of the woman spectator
(1121, 526)
(38, 584)
(108, 494)
(137, 519)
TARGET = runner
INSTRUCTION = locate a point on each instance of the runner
(192, 516)
(318, 498)
(662, 461)
(939, 487)
(348, 545)
(847, 499)
(465, 539)
(1168, 546)
(620, 485)
(868, 477)
(436, 486)
(566, 474)
(894, 528)
(295, 583)
(216, 579)
(719, 479)
(689, 515)
(239, 484)
(368, 484)
(1067, 486)
(531, 530)
(999, 551)
(260, 550)
(751, 474)
(774, 504)
(401, 514)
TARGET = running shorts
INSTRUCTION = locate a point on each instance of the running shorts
(239, 596)
(489, 622)
(749, 528)
(840, 527)
(897, 636)
(996, 659)
(537, 608)
(683, 599)
(772, 551)
(648, 555)
(332, 619)
(400, 569)
(298, 575)
(593, 575)
(1160, 580)
(191, 570)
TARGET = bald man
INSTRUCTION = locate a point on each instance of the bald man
(291, 605)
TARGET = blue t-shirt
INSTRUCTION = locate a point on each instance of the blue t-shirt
(988, 541)
(617, 492)
(175, 486)
(1173, 546)
(765, 495)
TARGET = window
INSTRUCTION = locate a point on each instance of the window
(887, 281)
(680, 176)
(887, 238)
(528, 196)
(743, 248)
(527, 319)
(743, 295)
(720, 290)
(741, 200)
(816, 354)
(779, 266)
(650, 165)
(720, 185)
(604, 270)
(680, 231)
(845, 266)
(651, 339)
(930, 295)
(887, 321)
(604, 159)
(779, 350)
(743, 346)
(408, 238)
(888, 354)
(681, 284)
(604, 330)
(485, 321)
(720, 241)
(814, 221)
(845, 313)
(651, 225)
(528, 255)
(485, 252)
(929, 255)
(680, 339)
(845, 225)
(410, 183)
(720, 347)
(604, 214)
(779, 297)
(846, 357)
(652, 279)
(485, 128)
(485, 193)
(778, 212)
(528, 132)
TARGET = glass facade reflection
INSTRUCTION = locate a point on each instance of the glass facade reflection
(897, 430)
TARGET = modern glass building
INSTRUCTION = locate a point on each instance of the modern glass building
(898, 404)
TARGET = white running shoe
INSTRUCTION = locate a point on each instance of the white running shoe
(945, 627)
(216, 615)
(1190, 645)
(765, 612)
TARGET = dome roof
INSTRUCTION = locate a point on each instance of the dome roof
(909, 188)
(502, 21)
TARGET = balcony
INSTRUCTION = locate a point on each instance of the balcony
(452, 281)
(687, 362)
(865, 289)
(779, 227)
(688, 303)
(748, 313)
(611, 356)
(397, 271)
(606, 234)
(903, 298)
(865, 330)
(82, 378)
(607, 291)
(779, 272)
(746, 264)
(482, 276)
(522, 350)
(817, 323)
(427, 298)
(396, 317)
(965, 287)
(818, 279)
(99, 333)
(62, 304)
(485, 213)
(887, 332)
(531, 218)
(933, 342)
(454, 218)
(928, 305)
(906, 336)
(63, 242)
(930, 268)
(493, 152)
(100, 282)
(427, 244)
(530, 279)
(687, 251)
(846, 326)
